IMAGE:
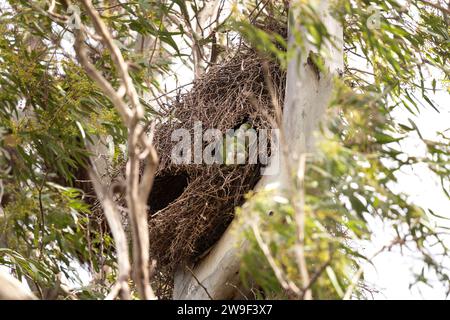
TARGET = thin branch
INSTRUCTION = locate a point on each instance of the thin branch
(42, 213)
(358, 274)
(436, 6)
(199, 283)
(300, 221)
(107, 39)
(118, 233)
(288, 286)
(94, 74)
(315, 277)
(140, 147)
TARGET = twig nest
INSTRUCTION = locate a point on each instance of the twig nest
(191, 205)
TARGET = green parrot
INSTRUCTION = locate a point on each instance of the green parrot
(234, 142)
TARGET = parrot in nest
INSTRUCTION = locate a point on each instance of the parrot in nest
(237, 142)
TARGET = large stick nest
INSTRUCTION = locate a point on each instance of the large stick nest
(192, 205)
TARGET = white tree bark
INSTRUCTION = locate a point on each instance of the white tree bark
(13, 289)
(307, 97)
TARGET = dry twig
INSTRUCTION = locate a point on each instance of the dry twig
(140, 149)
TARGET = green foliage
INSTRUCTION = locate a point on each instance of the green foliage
(49, 111)
(49, 108)
(47, 228)
(349, 181)
(330, 260)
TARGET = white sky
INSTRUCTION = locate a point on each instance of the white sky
(393, 271)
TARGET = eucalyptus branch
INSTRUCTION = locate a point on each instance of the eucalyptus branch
(140, 148)
(436, 6)
(300, 222)
(359, 272)
(113, 217)
(287, 285)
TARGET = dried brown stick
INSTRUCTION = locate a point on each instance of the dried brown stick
(140, 146)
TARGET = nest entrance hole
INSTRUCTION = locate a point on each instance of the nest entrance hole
(166, 189)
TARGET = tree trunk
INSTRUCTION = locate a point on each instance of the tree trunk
(308, 94)
(13, 289)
